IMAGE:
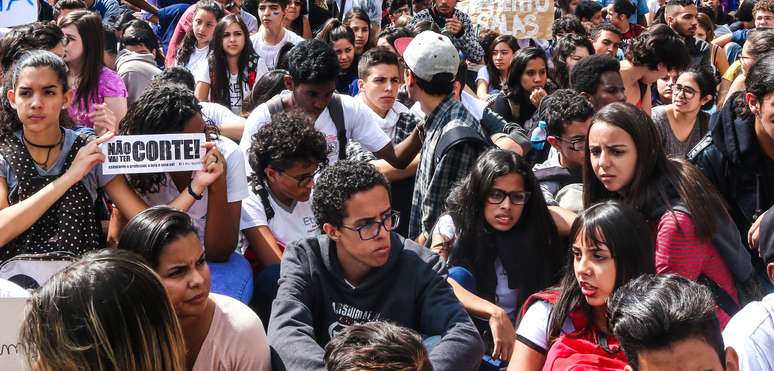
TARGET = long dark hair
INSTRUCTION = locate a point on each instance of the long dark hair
(360, 14)
(658, 182)
(219, 84)
(91, 32)
(334, 30)
(540, 254)
(153, 229)
(625, 233)
(515, 92)
(189, 41)
(494, 73)
(565, 46)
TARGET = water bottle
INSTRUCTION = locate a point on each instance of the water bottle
(538, 137)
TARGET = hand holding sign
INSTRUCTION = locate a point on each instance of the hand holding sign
(214, 167)
(154, 153)
(87, 157)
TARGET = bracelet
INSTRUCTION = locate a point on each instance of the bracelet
(193, 194)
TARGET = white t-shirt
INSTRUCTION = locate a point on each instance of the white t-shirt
(236, 186)
(505, 296)
(197, 58)
(250, 21)
(474, 105)
(269, 53)
(751, 333)
(236, 339)
(288, 224)
(391, 119)
(483, 74)
(534, 325)
(237, 93)
(218, 113)
(362, 125)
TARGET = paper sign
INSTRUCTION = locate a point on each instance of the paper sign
(11, 316)
(133, 154)
(17, 12)
(521, 18)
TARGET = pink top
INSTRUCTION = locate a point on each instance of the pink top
(110, 85)
(183, 25)
(680, 251)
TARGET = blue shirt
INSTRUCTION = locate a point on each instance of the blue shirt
(109, 10)
(642, 8)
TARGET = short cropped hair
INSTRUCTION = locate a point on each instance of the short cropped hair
(763, 6)
(586, 9)
(337, 184)
(374, 57)
(585, 76)
(596, 31)
(376, 346)
(624, 7)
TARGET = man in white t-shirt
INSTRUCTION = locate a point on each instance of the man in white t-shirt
(271, 36)
(313, 68)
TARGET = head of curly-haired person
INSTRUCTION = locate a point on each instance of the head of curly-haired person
(165, 109)
(313, 68)
(659, 48)
(567, 24)
(665, 320)
(351, 203)
(376, 346)
(285, 155)
(763, 14)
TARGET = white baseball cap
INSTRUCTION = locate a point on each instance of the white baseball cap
(429, 54)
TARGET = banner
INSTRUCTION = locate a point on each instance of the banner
(133, 154)
(17, 12)
(11, 316)
(521, 18)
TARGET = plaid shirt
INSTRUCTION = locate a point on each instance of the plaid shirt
(403, 127)
(467, 43)
(434, 181)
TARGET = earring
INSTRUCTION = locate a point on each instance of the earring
(64, 106)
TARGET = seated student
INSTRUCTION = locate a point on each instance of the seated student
(272, 35)
(395, 10)
(269, 85)
(137, 61)
(376, 346)
(170, 109)
(220, 332)
(361, 272)
(229, 124)
(386, 38)
(683, 123)
(342, 39)
(232, 68)
(526, 87)
(360, 24)
(751, 331)
(505, 246)
(603, 257)
(590, 13)
(457, 23)
(618, 14)
(313, 67)
(195, 46)
(494, 74)
(568, 51)
(624, 160)
(568, 115)
(648, 58)
(297, 19)
(667, 320)
(606, 39)
(96, 327)
(22, 39)
(49, 175)
(64, 7)
(598, 79)
(760, 43)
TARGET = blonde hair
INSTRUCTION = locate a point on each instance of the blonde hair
(108, 311)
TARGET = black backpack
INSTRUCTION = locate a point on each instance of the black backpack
(458, 135)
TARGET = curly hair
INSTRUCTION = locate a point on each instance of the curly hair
(313, 61)
(659, 44)
(587, 74)
(565, 47)
(289, 138)
(189, 41)
(375, 346)
(567, 24)
(163, 110)
(336, 185)
(763, 6)
(563, 107)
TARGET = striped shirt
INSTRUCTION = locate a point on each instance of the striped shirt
(680, 251)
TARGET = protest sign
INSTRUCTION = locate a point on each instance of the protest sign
(11, 316)
(16, 12)
(133, 154)
(520, 18)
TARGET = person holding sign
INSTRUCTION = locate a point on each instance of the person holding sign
(172, 109)
(456, 25)
(49, 175)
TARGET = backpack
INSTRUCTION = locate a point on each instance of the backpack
(459, 135)
(334, 109)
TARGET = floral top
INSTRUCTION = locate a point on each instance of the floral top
(110, 85)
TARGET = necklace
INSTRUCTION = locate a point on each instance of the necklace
(49, 147)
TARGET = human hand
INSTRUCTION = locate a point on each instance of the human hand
(103, 118)
(537, 95)
(214, 167)
(503, 334)
(87, 157)
(454, 25)
(754, 233)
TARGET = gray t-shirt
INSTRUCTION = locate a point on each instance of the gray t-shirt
(673, 146)
(92, 181)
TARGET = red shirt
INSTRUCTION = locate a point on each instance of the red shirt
(634, 31)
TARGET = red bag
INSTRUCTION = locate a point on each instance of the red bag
(582, 353)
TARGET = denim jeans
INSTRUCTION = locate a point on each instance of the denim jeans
(233, 278)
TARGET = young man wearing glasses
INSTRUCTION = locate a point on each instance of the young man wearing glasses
(359, 271)
(568, 115)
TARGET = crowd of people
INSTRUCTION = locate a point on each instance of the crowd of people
(387, 186)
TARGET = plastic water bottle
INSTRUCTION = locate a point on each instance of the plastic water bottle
(539, 134)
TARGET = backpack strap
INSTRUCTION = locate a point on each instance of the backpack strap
(722, 298)
(336, 111)
(455, 136)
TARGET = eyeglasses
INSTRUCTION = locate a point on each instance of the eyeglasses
(370, 230)
(576, 143)
(497, 196)
(303, 180)
(688, 92)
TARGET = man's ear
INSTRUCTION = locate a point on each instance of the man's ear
(752, 102)
(457, 88)
(553, 141)
(271, 173)
(360, 84)
(408, 77)
(331, 231)
(588, 98)
(770, 271)
(732, 360)
(628, 368)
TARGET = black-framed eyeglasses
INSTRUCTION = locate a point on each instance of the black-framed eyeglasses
(370, 230)
(497, 196)
(303, 180)
(687, 91)
(576, 143)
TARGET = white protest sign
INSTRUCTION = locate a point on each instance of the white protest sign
(16, 12)
(11, 316)
(521, 18)
(133, 154)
